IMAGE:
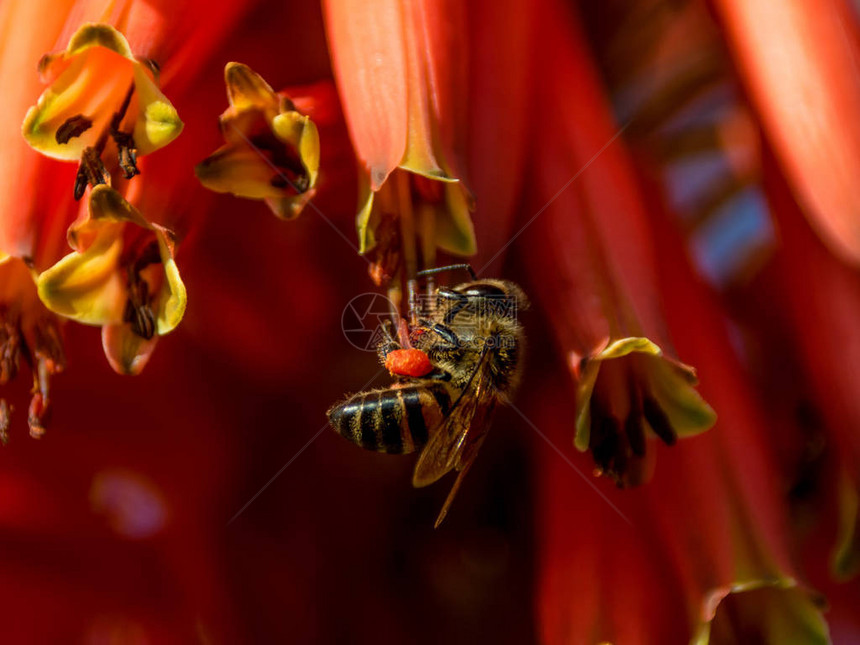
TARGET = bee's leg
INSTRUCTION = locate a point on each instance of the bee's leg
(389, 341)
(438, 341)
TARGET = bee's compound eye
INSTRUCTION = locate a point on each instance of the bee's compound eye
(483, 290)
(445, 293)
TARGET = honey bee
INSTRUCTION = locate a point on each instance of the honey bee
(475, 346)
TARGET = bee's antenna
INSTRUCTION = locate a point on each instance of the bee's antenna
(452, 267)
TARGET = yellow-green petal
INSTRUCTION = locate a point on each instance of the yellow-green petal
(126, 352)
(99, 35)
(299, 131)
(455, 232)
(158, 122)
(246, 89)
(106, 204)
(845, 561)
(173, 298)
(363, 221)
(688, 413)
(625, 346)
(86, 286)
(781, 612)
(584, 390)
(239, 170)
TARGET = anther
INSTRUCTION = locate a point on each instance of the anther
(73, 127)
(91, 172)
(10, 351)
(127, 153)
(138, 310)
(5, 418)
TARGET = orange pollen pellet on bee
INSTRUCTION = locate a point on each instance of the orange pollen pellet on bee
(408, 362)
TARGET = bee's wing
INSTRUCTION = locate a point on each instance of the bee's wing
(456, 441)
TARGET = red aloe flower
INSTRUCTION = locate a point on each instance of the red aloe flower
(608, 317)
(100, 97)
(404, 103)
(704, 555)
(800, 62)
(821, 323)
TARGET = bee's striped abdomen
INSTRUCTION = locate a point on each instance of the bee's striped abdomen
(396, 420)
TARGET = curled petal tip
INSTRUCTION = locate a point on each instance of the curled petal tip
(246, 89)
(99, 35)
(127, 353)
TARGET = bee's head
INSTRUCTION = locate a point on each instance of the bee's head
(505, 297)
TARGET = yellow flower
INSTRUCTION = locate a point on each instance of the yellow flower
(99, 95)
(272, 152)
(121, 276)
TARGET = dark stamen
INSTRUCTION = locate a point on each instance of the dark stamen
(91, 172)
(127, 153)
(633, 426)
(149, 255)
(658, 421)
(5, 419)
(10, 352)
(73, 127)
(291, 171)
(37, 415)
(138, 310)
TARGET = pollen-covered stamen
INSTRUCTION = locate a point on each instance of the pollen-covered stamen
(47, 358)
(290, 173)
(127, 153)
(92, 170)
(47, 351)
(38, 412)
(139, 312)
(10, 351)
(126, 149)
(5, 419)
(618, 440)
(73, 127)
(605, 444)
(386, 256)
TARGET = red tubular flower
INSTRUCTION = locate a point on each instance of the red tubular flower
(403, 98)
(33, 225)
(822, 324)
(706, 553)
(727, 481)
(502, 38)
(99, 96)
(604, 295)
(799, 61)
